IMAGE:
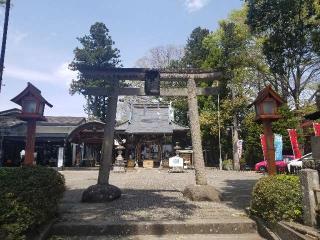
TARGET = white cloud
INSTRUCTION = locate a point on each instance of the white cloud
(194, 5)
(65, 74)
(18, 36)
(60, 75)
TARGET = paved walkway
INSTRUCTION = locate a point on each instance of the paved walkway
(152, 195)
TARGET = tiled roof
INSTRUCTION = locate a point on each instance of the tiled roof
(8, 122)
(62, 121)
(11, 121)
(150, 118)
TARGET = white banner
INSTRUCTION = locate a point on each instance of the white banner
(60, 157)
(239, 148)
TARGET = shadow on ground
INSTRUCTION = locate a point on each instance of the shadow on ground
(134, 205)
(149, 210)
(237, 193)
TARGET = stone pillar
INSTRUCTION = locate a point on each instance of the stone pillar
(201, 178)
(315, 146)
(103, 191)
(309, 179)
(108, 137)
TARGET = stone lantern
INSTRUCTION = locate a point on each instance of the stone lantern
(32, 104)
(266, 106)
(119, 165)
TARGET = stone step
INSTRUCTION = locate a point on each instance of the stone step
(246, 236)
(157, 228)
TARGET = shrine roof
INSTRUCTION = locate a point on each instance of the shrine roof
(9, 121)
(62, 121)
(150, 119)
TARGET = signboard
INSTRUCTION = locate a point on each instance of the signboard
(60, 157)
(152, 83)
(240, 148)
(176, 161)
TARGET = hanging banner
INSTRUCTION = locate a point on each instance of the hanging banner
(264, 146)
(294, 143)
(278, 146)
(60, 157)
(316, 128)
(239, 148)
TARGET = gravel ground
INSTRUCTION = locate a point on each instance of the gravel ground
(155, 195)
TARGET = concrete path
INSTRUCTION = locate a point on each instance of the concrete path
(154, 196)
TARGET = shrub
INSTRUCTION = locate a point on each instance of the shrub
(227, 164)
(277, 198)
(29, 197)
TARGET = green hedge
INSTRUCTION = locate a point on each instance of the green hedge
(29, 197)
(277, 198)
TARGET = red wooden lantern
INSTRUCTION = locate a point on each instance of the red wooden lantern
(32, 103)
(266, 106)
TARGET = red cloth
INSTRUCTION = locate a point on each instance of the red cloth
(316, 128)
(294, 143)
(264, 146)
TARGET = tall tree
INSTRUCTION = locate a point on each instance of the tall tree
(97, 50)
(195, 52)
(291, 33)
(167, 57)
(161, 57)
(235, 52)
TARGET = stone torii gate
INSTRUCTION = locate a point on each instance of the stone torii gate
(103, 191)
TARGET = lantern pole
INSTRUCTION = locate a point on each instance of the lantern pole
(266, 105)
(267, 127)
(32, 104)
(30, 142)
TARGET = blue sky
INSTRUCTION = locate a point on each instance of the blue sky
(42, 35)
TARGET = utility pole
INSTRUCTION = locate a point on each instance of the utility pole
(4, 40)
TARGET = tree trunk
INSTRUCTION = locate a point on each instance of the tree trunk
(108, 138)
(201, 178)
(235, 138)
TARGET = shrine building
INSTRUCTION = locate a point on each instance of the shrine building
(147, 131)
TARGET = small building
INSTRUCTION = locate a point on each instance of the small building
(50, 135)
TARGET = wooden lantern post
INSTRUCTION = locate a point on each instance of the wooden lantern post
(266, 107)
(32, 104)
